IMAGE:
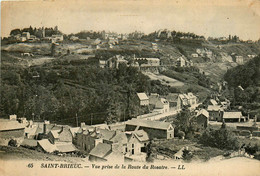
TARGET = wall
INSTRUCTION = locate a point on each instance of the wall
(6, 136)
(137, 145)
(85, 142)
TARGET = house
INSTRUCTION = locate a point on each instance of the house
(239, 59)
(153, 98)
(194, 55)
(46, 146)
(91, 137)
(56, 38)
(102, 63)
(25, 36)
(188, 100)
(215, 112)
(202, 118)
(136, 147)
(30, 131)
(155, 129)
(11, 130)
(143, 99)
(119, 142)
(181, 61)
(192, 99)
(100, 152)
(114, 61)
(59, 136)
(159, 104)
(162, 105)
(233, 117)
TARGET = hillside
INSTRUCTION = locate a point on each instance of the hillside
(244, 84)
(58, 87)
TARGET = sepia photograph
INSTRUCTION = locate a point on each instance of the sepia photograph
(130, 87)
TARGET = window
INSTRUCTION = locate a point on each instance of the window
(126, 149)
(133, 151)
(170, 135)
(133, 145)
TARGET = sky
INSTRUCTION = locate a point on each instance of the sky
(202, 17)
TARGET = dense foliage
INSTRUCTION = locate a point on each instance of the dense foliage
(61, 90)
(222, 139)
(244, 83)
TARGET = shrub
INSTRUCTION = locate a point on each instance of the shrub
(222, 139)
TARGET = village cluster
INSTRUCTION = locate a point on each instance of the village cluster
(110, 40)
(123, 141)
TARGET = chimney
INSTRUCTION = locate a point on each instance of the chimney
(82, 124)
(30, 123)
(45, 126)
(13, 117)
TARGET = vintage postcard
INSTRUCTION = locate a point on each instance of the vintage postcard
(130, 87)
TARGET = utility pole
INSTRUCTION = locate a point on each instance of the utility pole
(91, 118)
(77, 120)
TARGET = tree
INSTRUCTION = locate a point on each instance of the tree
(15, 32)
(187, 155)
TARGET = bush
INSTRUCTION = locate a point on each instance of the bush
(222, 139)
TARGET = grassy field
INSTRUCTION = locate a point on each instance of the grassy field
(200, 153)
(20, 153)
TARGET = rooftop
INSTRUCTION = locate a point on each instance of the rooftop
(214, 108)
(66, 147)
(47, 146)
(7, 124)
(148, 123)
(142, 96)
(141, 135)
(204, 112)
(101, 150)
(232, 115)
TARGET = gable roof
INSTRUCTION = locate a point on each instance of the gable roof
(120, 137)
(214, 108)
(101, 150)
(7, 124)
(31, 130)
(213, 102)
(232, 115)
(65, 135)
(106, 134)
(66, 147)
(74, 130)
(142, 96)
(55, 133)
(203, 112)
(141, 135)
(47, 146)
(148, 123)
